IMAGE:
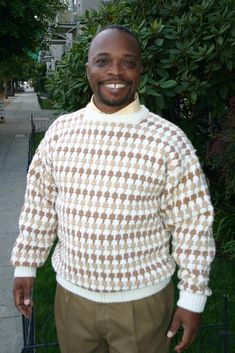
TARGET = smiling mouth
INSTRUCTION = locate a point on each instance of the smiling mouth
(115, 85)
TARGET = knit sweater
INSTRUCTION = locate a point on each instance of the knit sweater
(127, 199)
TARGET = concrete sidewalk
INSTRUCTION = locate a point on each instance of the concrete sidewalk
(14, 139)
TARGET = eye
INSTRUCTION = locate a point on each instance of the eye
(130, 63)
(101, 62)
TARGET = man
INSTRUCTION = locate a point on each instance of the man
(116, 184)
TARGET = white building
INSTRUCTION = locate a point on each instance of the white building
(66, 30)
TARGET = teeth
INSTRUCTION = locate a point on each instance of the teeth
(115, 85)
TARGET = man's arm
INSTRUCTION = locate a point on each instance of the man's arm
(38, 227)
(38, 218)
(193, 254)
(188, 215)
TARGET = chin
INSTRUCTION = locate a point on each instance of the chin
(116, 102)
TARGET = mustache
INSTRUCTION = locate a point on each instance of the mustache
(115, 80)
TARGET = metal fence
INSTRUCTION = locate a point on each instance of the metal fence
(29, 341)
(39, 125)
(2, 111)
(213, 337)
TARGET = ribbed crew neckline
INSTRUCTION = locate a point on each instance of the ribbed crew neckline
(133, 118)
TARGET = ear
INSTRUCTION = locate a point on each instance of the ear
(87, 71)
(141, 69)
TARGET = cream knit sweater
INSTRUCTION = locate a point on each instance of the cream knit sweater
(116, 191)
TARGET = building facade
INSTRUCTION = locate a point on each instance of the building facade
(66, 30)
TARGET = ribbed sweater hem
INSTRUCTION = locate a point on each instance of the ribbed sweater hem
(114, 297)
(190, 301)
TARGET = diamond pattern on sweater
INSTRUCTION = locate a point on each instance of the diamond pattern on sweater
(114, 194)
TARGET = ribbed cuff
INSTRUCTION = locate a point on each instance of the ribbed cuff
(192, 302)
(23, 271)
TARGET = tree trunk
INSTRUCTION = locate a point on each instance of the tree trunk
(12, 88)
(6, 89)
(12, 93)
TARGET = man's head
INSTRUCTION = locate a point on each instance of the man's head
(114, 68)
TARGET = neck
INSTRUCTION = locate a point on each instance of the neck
(110, 109)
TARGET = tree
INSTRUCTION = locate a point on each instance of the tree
(24, 25)
(18, 68)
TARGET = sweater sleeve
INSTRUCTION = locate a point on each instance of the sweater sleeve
(188, 215)
(38, 220)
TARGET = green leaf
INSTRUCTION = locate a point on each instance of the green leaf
(229, 64)
(144, 79)
(193, 97)
(142, 90)
(168, 93)
(233, 32)
(227, 53)
(220, 40)
(154, 26)
(151, 81)
(224, 91)
(151, 92)
(210, 49)
(168, 84)
(160, 102)
(224, 28)
(208, 37)
(197, 9)
(163, 73)
(159, 42)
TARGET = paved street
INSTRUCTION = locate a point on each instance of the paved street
(14, 137)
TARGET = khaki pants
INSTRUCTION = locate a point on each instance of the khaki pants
(140, 326)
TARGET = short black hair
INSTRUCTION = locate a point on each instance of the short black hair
(119, 28)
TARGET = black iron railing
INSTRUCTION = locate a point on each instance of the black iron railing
(39, 125)
(29, 339)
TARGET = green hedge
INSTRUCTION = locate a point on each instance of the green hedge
(188, 54)
(187, 49)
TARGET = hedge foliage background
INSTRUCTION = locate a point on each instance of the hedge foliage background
(188, 54)
(187, 48)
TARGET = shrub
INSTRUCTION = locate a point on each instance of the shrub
(188, 55)
(222, 155)
(39, 78)
(224, 231)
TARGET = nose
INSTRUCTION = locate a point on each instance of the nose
(115, 68)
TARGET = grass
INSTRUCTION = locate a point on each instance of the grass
(44, 292)
(38, 136)
(222, 280)
(45, 103)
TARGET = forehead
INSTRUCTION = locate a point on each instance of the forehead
(113, 41)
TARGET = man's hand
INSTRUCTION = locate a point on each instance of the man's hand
(191, 323)
(22, 291)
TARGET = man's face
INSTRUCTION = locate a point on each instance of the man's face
(113, 70)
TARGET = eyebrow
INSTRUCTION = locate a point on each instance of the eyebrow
(108, 54)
